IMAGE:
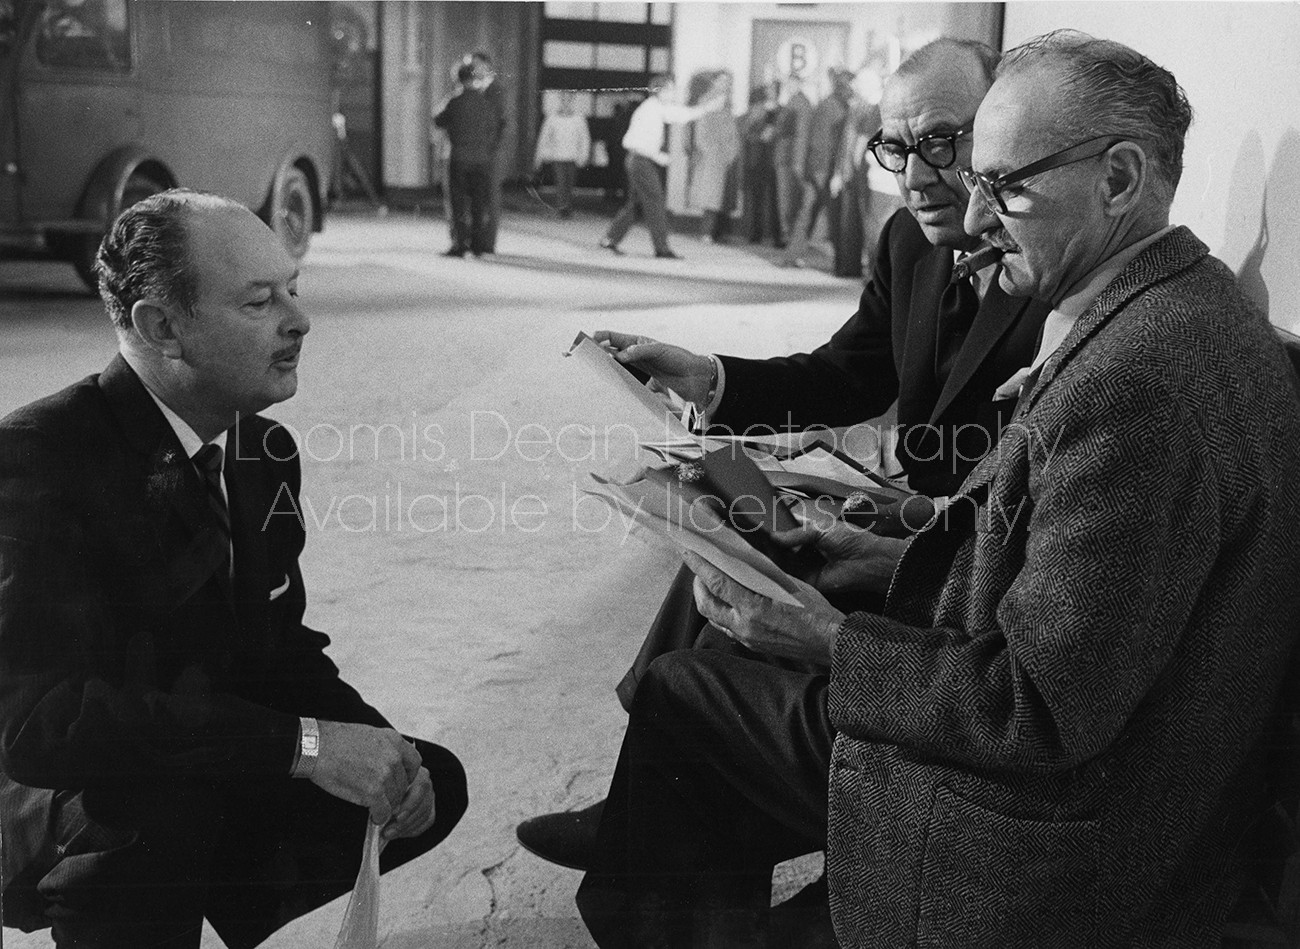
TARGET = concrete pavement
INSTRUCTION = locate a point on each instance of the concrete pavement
(469, 592)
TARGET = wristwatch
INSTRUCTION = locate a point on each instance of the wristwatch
(308, 747)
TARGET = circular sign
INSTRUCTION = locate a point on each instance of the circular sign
(797, 57)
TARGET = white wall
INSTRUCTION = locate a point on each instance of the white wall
(1240, 191)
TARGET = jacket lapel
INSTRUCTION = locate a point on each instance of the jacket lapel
(1175, 252)
(997, 313)
(929, 279)
(195, 553)
(249, 504)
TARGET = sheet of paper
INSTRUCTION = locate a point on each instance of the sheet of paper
(670, 510)
(625, 399)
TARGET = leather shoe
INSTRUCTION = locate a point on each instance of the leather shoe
(566, 837)
(667, 255)
(609, 245)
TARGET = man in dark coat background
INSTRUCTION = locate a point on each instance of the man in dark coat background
(474, 120)
(175, 744)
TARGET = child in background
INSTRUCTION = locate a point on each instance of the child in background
(565, 143)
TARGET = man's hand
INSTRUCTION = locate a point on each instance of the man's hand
(804, 633)
(856, 560)
(416, 812)
(681, 370)
(376, 768)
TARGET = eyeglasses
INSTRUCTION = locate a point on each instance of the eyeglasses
(938, 150)
(990, 189)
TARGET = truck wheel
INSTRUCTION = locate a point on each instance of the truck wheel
(80, 249)
(293, 214)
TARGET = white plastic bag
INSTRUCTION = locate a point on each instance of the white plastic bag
(360, 929)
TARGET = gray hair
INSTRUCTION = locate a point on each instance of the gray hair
(942, 50)
(146, 253)
(1112, 89)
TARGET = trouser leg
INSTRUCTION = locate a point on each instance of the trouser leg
(492, 206)
(618, 228)
(133, 866)
(649, 187)
(461, 221)
(298, 848)
(479, 182)
(143, 867)
(801, 225)
(565, 171)
(722, 774)
(848, 249)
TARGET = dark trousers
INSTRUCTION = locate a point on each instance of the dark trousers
(763, 202)
(811, 203)
(853, 216)
(722, 775)
(645, 191)
(471, 206)
(565, 173)
(142, 867)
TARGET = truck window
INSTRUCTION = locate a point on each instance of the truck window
(85, 34)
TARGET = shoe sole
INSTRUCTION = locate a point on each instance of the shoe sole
(558, 863)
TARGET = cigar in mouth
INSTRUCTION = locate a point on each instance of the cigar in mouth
(987, 253)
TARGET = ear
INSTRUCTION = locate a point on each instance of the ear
(1127, 170)
(155, 324)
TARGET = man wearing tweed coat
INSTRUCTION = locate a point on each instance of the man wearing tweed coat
(1051, 735)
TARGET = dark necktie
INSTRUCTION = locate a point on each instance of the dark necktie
(957, 309)
(208, 460)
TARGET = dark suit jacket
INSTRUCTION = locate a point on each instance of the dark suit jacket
(474, 122)
(887, 351)
(127, 654)
(1051, 738)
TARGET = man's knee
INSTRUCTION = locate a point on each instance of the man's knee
(682, 684)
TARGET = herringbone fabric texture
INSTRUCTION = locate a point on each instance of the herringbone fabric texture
(1049, 739)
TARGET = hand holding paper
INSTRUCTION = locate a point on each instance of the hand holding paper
(681, 370)
(805, 633)
(853, 560)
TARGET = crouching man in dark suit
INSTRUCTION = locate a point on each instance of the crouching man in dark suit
(1052, 733)
(175, 744)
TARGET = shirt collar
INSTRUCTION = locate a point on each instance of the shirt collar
(1080, 297)
(189, 439)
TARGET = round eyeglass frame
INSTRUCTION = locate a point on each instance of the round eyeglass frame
(878, 139)
(990, 189)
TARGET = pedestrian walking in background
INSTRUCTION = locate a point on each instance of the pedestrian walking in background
(825, 129)
(791, 149)
(564, 143)
(647, 157)
(486, 75)
(761, 127)
(715, 146)
(850, 189)
(474, 124)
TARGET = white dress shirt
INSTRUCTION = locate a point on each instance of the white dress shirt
(645, 132)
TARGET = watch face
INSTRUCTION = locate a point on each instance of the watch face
(310, 744)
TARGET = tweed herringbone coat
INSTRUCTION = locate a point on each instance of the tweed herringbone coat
(1050, 738)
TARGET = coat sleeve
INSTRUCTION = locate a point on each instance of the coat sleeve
(848, 380)
(1121, 535)
(77, 699)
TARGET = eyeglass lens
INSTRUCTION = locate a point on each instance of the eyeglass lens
(937, 152)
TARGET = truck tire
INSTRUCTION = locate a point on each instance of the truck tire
(80, 249)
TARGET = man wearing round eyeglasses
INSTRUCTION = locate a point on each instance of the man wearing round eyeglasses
(940, 351)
